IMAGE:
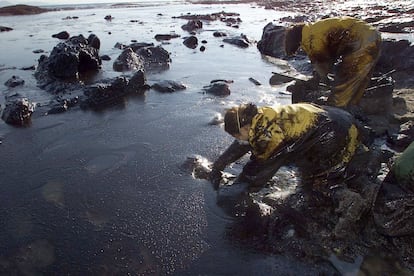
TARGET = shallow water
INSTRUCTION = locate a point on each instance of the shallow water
(102, 193)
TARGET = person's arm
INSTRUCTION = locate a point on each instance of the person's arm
(234, 152)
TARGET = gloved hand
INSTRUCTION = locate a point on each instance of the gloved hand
(215, 177)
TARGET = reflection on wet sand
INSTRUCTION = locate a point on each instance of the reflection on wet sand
(52, 192)
(29, 259)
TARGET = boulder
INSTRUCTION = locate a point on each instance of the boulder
(155, 58)
(191, 42)
(139, 56)
(397, 55)
(218, 88)
(18, 112)
(137, 83)
(112, 91)
(94, 41)
(272, 41)
(377, 98)
(14, 81)
(128, 60)
(168, 86)
(67, 60)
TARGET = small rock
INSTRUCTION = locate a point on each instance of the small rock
(14, 81)
(256, 82)
(27, 68)
(219, 88)
(191, 42)
(161, 37)
(105, 57)
(61, 35)
(168, 86)
(192, 25)
(18, 112)
(219, 34)
(5, 29)
(241, 41)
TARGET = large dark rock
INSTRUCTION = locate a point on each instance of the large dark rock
(94, 41)
(67, 61)
(155, 58)
(272, 41)
(112, 91)
(128, 60)
(377, 97)
(18, 112)
(137, 83)
(145, 56)
(398, 55)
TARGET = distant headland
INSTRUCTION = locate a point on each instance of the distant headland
(21, 10)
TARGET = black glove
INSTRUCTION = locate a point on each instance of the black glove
(215, 177)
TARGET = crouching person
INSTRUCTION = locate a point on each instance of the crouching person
(394, 206)
(318, 140)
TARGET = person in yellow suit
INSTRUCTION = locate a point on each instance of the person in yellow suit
(346, 47)
(321, 140)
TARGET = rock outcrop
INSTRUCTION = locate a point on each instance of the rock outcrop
(67, 61)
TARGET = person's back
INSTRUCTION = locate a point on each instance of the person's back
(278, 125)
(346, 47)
(330, 38)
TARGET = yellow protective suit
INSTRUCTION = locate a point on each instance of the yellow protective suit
(299, 128)
(347, 47)
(319, 140)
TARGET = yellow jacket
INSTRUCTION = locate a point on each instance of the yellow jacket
(272, 127)
(330, 38)
(293, 128)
